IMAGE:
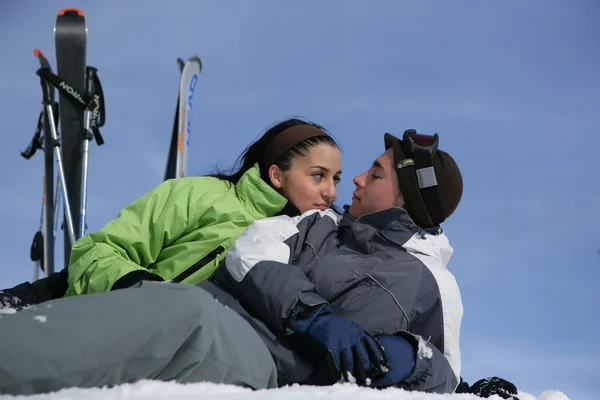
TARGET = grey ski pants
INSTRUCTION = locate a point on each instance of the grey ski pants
(159, 331)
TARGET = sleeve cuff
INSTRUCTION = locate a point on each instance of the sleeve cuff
(134, 277)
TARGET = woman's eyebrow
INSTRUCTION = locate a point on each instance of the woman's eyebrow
(325, 169)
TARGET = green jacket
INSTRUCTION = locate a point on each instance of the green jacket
(180, 229)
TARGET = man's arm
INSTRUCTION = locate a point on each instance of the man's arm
(257, 272)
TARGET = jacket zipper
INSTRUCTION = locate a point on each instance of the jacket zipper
(197, 266)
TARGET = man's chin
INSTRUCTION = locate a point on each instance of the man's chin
(352, 210)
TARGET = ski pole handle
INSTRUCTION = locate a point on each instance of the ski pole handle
(90, 73)
(46, 87)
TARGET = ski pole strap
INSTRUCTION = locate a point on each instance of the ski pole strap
(96, 105)
(93, 103)
(36, 253)
(63, 87)
(37, 141)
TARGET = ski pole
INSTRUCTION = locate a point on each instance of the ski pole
(47, 236)
(42, 247)
(39, 241)
(40, 252)
(46, 89)
(89, 91)
(57, 200)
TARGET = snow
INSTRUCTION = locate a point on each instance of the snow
(7, 305)
(154, 390)
(424, 350)
(41, 318)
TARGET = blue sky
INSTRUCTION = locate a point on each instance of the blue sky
(512, 88)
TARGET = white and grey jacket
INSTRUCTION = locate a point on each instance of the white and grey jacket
(380, 271)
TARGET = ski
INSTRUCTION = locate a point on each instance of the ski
(70, 36)
(172, 157)
(180, 140)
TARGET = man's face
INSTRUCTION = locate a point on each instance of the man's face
(376, 189)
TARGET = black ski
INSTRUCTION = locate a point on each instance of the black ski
(70, 36)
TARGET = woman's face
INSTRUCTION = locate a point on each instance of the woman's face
(311, 182)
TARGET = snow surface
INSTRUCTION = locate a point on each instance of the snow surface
(41, 318)
(152, 390)
(7, 305)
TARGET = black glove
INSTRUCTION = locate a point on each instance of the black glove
(134, 277)
(28, 294)
(488, 387)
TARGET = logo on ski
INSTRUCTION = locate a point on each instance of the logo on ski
(95, 111)
(190, 99)
(186, 127)
(74, 93)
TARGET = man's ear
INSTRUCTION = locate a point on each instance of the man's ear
(275, 176)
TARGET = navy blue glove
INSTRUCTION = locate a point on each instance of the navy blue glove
(401, 358)
(349, 348)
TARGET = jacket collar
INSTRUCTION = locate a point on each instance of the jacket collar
(257, 197)
(387, 230)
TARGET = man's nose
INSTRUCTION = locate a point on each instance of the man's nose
(359, 180)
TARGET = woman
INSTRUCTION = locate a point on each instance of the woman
(182, 228)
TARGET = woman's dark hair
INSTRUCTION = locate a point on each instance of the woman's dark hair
(255, 151)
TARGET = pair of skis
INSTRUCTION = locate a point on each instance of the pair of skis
(180, 138)
(80, 112)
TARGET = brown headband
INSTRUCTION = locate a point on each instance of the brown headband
(287, 139)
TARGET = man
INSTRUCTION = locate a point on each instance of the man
(364, 297)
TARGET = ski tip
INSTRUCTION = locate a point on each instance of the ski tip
(71, 9)
(38, 52)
